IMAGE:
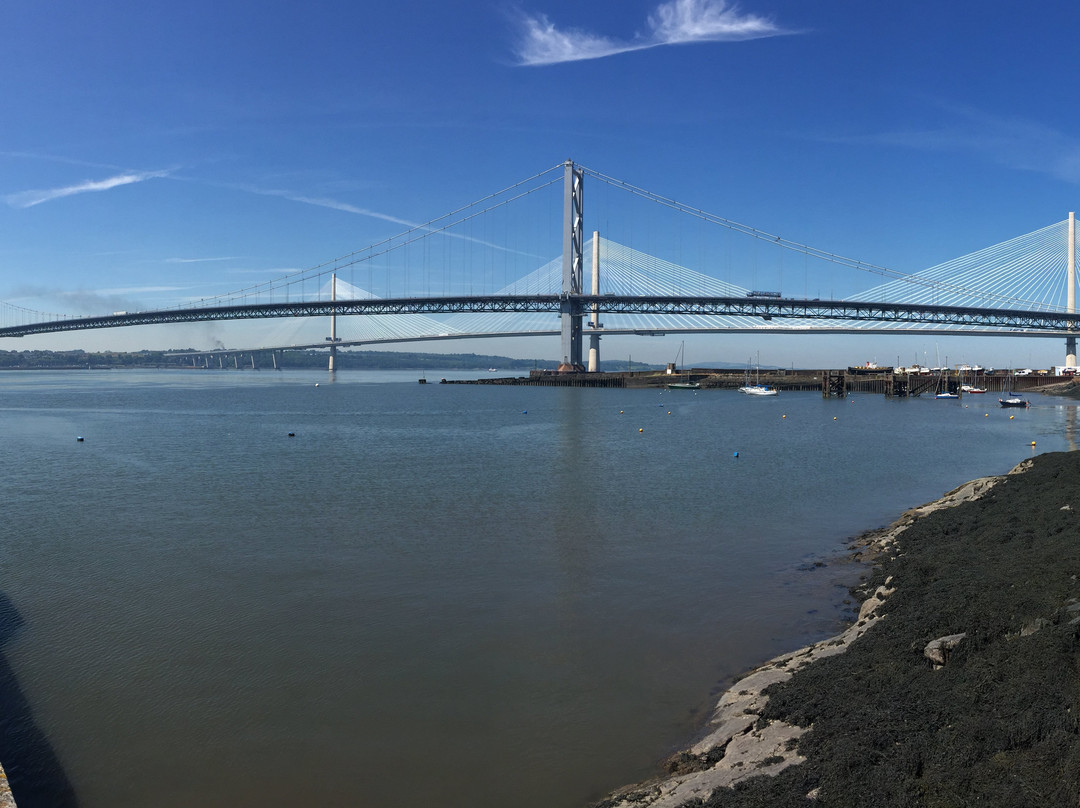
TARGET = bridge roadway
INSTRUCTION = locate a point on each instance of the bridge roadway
(959, 317)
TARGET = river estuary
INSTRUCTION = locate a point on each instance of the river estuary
(428, 594)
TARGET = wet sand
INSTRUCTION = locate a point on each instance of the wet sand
(959, 684)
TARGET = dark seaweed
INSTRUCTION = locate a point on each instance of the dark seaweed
(998, 725)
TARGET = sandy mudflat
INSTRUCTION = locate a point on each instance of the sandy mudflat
(986, 581)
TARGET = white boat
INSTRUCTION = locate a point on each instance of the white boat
(943, 391)
(1012, 400)
(757, 388)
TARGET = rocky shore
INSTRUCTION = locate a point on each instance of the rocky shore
(959, 684)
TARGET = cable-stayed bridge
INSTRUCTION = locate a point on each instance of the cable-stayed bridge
(479, 271)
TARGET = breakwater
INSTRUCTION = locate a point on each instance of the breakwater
(830, 382)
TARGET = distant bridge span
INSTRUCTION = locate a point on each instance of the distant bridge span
(1014, 322)
(608, 332)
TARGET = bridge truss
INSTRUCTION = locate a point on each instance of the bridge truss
(765, 309)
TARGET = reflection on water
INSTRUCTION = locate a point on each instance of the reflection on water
(508, 595)
(34, 772)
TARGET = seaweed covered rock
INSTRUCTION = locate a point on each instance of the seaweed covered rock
(958, 685)
(992, 585)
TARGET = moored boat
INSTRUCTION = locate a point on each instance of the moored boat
(685, 384)
(758, 390)
(1012, 400)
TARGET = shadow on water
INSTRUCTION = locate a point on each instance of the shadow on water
(37, 779)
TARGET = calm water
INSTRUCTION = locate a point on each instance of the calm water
(431, 595)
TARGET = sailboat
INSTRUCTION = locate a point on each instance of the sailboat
(943, 389)
(1009, 399)
(685, 384)
(970, 387)
(757, 388)
(942, 383)
(1013, 400)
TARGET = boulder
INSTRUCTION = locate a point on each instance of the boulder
(937, 651)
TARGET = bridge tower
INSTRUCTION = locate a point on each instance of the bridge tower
(333, 338)
(1070, 299)
(594, 316)
(570, 310)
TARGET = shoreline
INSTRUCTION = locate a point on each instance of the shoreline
(760, 750)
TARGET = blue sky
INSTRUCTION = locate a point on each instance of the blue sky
(151, 153)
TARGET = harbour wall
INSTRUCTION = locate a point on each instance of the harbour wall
(837, 382)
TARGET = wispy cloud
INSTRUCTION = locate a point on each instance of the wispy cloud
(55, 158)
(1015, 143)
(27, 199)
(676, 22)
(345, 207)
(199, 260)
(273, 271)
(137, 290)
(342, 206)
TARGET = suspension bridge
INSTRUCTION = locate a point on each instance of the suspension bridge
(476, 272)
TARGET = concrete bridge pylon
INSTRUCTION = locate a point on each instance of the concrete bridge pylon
(1070, 295)
(594, 315)
(333, 339)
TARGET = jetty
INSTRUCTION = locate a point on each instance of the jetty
(831, 383)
